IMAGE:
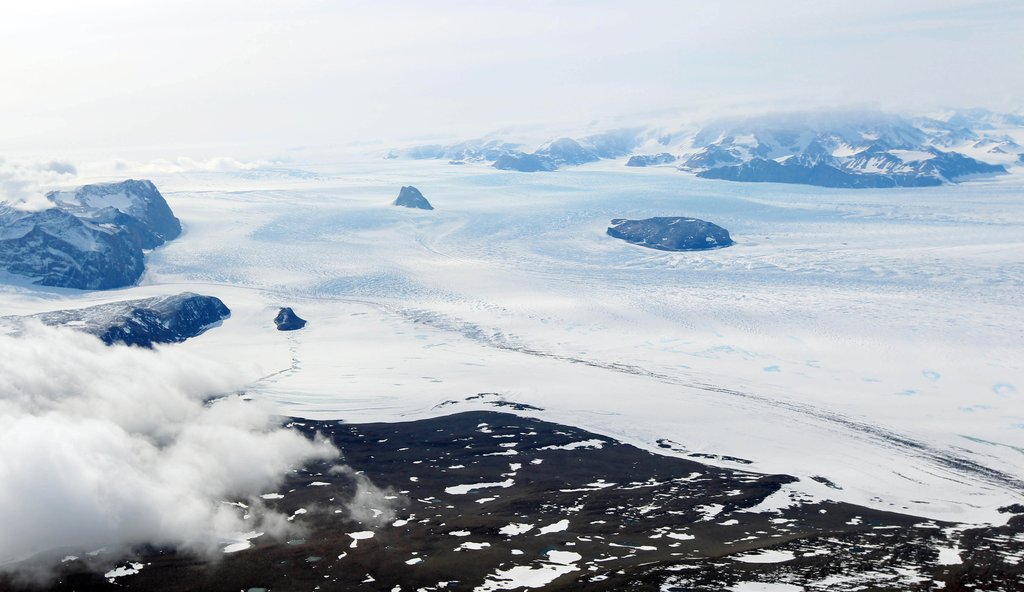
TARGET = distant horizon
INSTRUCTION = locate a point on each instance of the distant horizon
(25, 180)
(528, 134)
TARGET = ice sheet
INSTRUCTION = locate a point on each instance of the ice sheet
(873, 338)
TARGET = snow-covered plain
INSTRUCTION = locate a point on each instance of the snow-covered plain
(873, 338)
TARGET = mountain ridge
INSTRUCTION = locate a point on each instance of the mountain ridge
(850, 148)
(93, 238)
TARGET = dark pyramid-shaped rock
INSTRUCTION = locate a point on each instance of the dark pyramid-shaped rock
(410, 197)
(287, 320)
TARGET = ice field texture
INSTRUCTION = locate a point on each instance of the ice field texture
(869, 342)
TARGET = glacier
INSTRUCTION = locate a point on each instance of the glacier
(871, 339)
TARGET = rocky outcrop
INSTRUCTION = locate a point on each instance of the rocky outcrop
(867, 171)
(287, 320)
(768, 171)
(145, 322)
(645, 160)
(839, 148)
(566, 151)
(524, 163)
(92, 238)
(410, 197)
(55, 248)
(671, 233)
(136, 205)
(550, 156)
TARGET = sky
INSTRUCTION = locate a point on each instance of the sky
(255, 79)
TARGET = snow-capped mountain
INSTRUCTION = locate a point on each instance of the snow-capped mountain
(92, 238)
(551, 155)
(841, 148)
(161, 319)
(468, 151)
(136, 205)
(644, 160)
(836, 149)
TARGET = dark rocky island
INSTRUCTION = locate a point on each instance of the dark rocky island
(410, 197)
(92, 238)
(134, 205)
(287, 320)
(671, 234)
(145, 322)
(475, 501)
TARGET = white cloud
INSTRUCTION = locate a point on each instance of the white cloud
(24, 184)
(185, 164)
(110, 447)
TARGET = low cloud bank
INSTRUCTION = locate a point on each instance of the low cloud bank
(24, 184)
(112, 447)
(184, 164)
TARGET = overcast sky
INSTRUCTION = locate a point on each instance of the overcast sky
(253, 78)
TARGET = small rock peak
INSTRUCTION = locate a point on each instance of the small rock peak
(410, 197)
(287, 320)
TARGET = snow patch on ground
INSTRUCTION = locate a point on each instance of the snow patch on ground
(542, 573)
(767, 556)
(560, 526)
(359, 536)
(124, 570)
(464, 489)
(593, 444)
(515, 529)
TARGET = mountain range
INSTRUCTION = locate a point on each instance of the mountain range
(840, 148)
(92, 238)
